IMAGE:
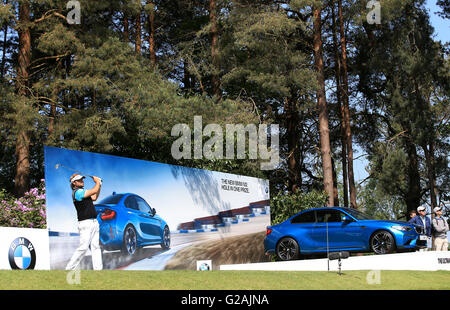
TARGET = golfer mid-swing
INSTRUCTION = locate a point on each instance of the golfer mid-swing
(83, 199)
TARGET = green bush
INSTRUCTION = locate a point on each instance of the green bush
(284, 205)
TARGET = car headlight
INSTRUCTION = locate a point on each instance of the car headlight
(402, 228)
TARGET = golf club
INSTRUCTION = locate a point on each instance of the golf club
(57, 166)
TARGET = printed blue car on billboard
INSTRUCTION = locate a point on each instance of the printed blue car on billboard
(127, 222)
(338, 229)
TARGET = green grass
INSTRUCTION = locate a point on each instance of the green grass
(223, 280)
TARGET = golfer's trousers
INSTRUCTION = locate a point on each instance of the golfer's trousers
(89, 237)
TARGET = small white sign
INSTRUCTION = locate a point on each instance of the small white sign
(204, 265)
(24, 248)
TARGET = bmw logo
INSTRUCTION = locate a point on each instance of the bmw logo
(22, 254)
(204, 267)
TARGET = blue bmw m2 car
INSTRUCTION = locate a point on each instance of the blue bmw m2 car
(335, 229)
(127, 223)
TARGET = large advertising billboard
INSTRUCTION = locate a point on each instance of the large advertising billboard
(154, 216)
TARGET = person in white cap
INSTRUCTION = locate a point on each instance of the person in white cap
(83, 200)
(440, 229)
(423, 221)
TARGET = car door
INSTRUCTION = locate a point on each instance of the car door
(149, 225)
(132, 210)
(352, 235)
(332, 232)
(326, 229)
(301, 228)
(133, 216)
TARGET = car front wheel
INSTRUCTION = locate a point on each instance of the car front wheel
(287, 249)
(382, 242)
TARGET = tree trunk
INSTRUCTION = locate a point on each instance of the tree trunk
(126, 30)
(341, 107)
(370, 35)
(22, 177)
(348, 134)
(52, 117)
(138, 34)
(413, 193)
(214, 49)
(5, 45)
(186, 76)
(325, 148)
(293, 147)
(335, 185)
(429, 159)
(151, 36)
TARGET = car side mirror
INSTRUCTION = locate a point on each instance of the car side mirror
(153, 211)
(346, 219)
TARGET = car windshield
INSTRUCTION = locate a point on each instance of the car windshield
(358, 215)
(112, 200)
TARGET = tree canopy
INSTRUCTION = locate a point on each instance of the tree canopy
(118, 82)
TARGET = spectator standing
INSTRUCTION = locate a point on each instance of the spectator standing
(423, 221)
(440, 229)
(412, 214)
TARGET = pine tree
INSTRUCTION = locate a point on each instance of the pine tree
(399, 70)
(325, 148)
(346, 109)
(151, 32)
(280, 81)
(22, 177)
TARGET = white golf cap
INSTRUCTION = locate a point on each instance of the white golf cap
(437, 209)
(76, 177)
(421, 208)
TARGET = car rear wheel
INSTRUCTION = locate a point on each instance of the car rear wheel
(287, 249)
(382, 242)
(165, 244)
(129, 241)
